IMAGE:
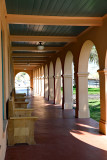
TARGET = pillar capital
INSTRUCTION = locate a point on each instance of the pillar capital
(83, 74)
(50, 77)
(67, 76)
(57, 76)
(42, 77)
(46, 77)
(104, 71)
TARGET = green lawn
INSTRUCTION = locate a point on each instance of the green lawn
(94, 106)
(90, 90)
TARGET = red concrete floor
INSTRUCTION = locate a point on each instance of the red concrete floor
(60, 136)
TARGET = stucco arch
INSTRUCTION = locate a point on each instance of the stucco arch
(106, 60)
(51, 81)
(84, 56)
(68, 63)
(58, 69)
(30, 73)
(16, 72)
(68, 81)
(24, 83)
(51, 70)
(83, 107)
(46, 81)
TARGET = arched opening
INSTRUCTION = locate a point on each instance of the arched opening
(68, 81)
(51, 82)
(93, 85)
(58, 82)
(46, 81)
(87, 48)
(22, 83)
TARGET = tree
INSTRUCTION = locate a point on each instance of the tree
(94, 56)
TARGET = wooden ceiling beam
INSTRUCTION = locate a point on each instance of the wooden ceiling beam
(15, 38)
(30, 58)
(53, 20)
(30, 62)
(35, 49)
(32, 54)
(26, 64)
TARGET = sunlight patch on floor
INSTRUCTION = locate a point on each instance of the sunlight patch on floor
(99, 141)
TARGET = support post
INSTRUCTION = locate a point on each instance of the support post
(83, 108)
(103, 101)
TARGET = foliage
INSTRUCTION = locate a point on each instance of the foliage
(22, 79)
(94, 56)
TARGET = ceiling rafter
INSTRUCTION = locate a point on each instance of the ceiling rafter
(26, 62)
(53, 20)
(31, 55)
(35, 49)
(30, 59)
(15, 38)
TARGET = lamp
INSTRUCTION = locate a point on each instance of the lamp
(40, 46)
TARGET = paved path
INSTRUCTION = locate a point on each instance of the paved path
(61, 136)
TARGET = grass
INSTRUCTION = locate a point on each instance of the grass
(94, 106)
(93, 90)
(90, 90)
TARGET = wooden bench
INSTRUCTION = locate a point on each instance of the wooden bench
(21, 130)
(21, 104)
(13, 111)
(20, 125)
(20, 94)
(17, 99)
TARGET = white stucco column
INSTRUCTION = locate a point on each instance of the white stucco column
(39, 85)
(51, 88)
(46, 87)
(68, 92)
(83, 110)
(42, 86)
(58, 89)
(36, 84)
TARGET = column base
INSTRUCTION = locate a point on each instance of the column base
(103, 127)
(84, 113)
(68, 106)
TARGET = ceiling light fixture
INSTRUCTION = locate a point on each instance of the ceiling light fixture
(40, 46)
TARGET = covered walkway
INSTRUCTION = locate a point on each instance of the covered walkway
(51, 41)
(59, 136)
